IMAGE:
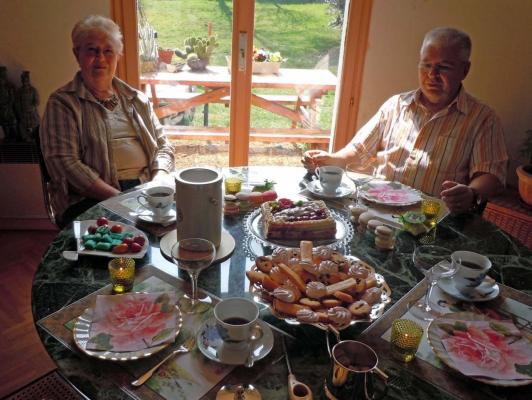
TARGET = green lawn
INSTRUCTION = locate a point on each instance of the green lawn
(299, 29)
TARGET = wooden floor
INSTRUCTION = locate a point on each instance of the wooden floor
(22, 356)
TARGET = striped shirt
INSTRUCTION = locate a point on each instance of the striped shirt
(422, 150)
(76, 140)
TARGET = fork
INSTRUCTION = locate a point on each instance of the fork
(184, 348)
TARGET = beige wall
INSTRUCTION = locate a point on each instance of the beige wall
(36, 36)
(501, 71)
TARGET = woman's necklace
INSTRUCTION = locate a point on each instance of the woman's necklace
(110, 103)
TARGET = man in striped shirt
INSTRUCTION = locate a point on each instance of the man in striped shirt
(438, 138)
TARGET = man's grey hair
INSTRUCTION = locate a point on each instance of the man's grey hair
(99, 24)
(449, 37)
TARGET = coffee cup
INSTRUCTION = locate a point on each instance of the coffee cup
(158, 199)
(330, 177)
(471, 269)
(236, 319)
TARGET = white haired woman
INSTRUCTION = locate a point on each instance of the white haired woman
(99, 136)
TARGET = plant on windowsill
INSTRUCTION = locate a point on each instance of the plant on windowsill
(198, 51)
(524, 172)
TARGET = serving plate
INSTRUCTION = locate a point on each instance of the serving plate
(389, 193)
(264, 296)
(254, 229)
(435, 335)
(83, 227)
(81, 337)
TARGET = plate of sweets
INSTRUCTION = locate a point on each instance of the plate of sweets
(101, 237)
(319, 286)
(285, 222)
(389, 193)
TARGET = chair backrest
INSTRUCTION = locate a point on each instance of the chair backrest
(44, 170)
(45, 177)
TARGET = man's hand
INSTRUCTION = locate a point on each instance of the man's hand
(458, 197)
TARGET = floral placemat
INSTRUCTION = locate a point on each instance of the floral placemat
(187, 376)
(505, 309)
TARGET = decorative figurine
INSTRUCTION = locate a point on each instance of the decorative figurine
(27, 100)
(8, 120)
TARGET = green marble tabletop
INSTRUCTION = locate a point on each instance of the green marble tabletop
(58, 283)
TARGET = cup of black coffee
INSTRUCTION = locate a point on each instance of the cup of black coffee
(235, 319)
(471, 270)
(157, 199)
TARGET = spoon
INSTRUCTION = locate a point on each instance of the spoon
(296, 390)
(256, 334)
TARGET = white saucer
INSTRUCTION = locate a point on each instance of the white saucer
(487, 290)
(148, 216)
(214, 348)
(223, 252)
(343, 190)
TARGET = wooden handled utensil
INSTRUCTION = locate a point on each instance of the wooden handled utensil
(296, 390)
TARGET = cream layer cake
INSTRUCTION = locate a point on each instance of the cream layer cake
(303, 220)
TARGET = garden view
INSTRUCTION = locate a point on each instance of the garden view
(306, 33)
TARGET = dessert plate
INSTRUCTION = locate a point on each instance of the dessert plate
(254, 228)
(214, 348)
(487, 290)
(81, 337)
(342, 191)
(149, 217)
(377, 309)
(435, 334)
(84, 226)
(389, 193)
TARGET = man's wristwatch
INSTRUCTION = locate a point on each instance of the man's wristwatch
(478, 202)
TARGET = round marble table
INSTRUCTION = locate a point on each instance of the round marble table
(58, 283)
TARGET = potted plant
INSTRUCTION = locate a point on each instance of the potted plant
(198, 51)
(165, 55)
(524, 172)
(147, 45)
(266, 62)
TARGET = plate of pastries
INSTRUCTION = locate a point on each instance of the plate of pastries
(319, 286)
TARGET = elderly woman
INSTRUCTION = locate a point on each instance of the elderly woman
(99, 136)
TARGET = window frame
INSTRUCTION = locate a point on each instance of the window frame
(355, 42)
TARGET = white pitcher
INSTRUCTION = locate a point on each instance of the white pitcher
(198, 199)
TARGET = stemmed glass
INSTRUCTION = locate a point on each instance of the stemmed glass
(360, 173)
(193, 255)
(434, 262)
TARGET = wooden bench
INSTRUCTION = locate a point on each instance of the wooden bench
(320, 137)
(170, 100)
(169, 93)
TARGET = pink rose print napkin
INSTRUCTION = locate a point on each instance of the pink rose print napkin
(133, 321)
(492, 349)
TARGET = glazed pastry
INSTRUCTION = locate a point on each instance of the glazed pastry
(264, 264)
(278, 276)
(280, 255)
(316, 290)
(372, 295)
(359, 308)
(328, 267)
(339, 315)
(284, 294)
(373, 224)
(322, 253)
(307, 316)
(356, 272)
(311, 268)
(314, 304)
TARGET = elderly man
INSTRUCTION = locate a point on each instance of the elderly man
(438, 138)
